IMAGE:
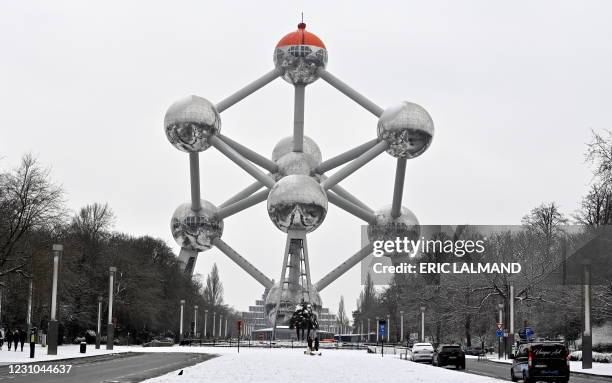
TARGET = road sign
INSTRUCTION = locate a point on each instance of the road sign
(382, 327)
(528, 332)
(499, 333)
(500, 326)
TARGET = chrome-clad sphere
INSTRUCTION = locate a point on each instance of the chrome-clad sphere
(290, 162)
(195, 230)
(291, 298)
(299, 54)
(189, 122)
(297, 202)
(408, 129)
(388, 228)
(309, 147)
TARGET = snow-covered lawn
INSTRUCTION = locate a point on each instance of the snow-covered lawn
(291, 365)
(604, 369)
(63, 352)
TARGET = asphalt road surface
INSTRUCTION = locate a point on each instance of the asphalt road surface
(502, 371)
(119, 368)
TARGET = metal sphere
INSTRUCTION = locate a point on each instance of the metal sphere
(408, 129)
(299, 54)
(195, 230)
(189, 122)
(290, 299)
(297, 202)
(309, 147)
(290, 162)
(388, 228)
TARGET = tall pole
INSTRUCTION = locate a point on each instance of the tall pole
(511, 333)
(377, 329)
(422, 323)
(195, 321)
(368, 330)
(225, 327)
(29, 307)
(205, 322)
(499, 339)
(388, 328)
(181, 321)
(587, 339)
(99, 328)
(53, 331)
(220, 324)
(110, 328)
(401, 326)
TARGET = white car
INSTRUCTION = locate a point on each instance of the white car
(422, 352)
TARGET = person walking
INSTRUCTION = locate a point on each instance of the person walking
(22, 337)
(316, 343)
(309, 344)
(9, 338)
(15, 339)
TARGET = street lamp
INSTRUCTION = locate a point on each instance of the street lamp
(422, 323)
(53, 330)
(214, 324)
(181, 321)
(368, 329)
(401, 326)
(220, 324)
(195, 321)
(388, 328)
(377, 328)
(110, 328)
(501, 321)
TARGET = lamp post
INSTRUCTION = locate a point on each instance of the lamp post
(181, 321)
(510, 338)
(110, 329)
(53, 330)
(587, 336)
(205, 322)
(501, 320)
(195, 321)
(99, 328)
(377, 328)
(401, 326)
(368, 329)
(422, 323)
(225, 334)
(220, 324)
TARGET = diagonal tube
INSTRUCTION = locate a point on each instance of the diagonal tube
(243, 204)
(350, 168)
(249, 190)
(250, 155)
(241, 161)
(298, 118)
(243, 263)
(350, 92)
(194, 172)
(342, 192)
(345, 157)
(249, 89)
(344, 267)
(398, 188)
(351, 208)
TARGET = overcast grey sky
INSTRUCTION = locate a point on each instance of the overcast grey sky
(513, 88)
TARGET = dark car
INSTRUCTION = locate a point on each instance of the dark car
(541, 361)
(449, 355)
(476, 351)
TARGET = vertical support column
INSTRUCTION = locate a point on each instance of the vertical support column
(398, 188)
(29, 318)
(53, 330)
(587, 337)
(401, 326)
(422, 323)
(205, 322)
(377, 329)
(110, 328)
(194, 171)
(499, 339)
(510, 339)
(181, 321)
(298, 118)
(195, 321)
(99, 327)
(388, 328)
(220, 324)
(214, 324)
(281, 285)
(369, 330)
(225, 327)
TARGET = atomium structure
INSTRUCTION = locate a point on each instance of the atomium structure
(293, 180)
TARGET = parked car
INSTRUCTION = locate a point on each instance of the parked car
(449, 354)
(476, 351)
(541, 361)
(422, 352)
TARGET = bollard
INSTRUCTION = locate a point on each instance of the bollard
(83, 347)
(32, 341)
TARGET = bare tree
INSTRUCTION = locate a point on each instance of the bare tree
(94, 220)
(28, 201)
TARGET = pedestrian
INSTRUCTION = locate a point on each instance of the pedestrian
(1, 337)
(9, 338)
(316, 343)
(15, 339)
(309, 344)
(22, 338)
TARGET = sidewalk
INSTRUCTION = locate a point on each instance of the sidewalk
(599, 369)
(63, 352)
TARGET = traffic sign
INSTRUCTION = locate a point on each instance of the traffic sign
(499, 333)
(382, 327)
(500, 326)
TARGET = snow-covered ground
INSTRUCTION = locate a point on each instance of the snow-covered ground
(63, 352)
(291, 365)
(604, 369)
